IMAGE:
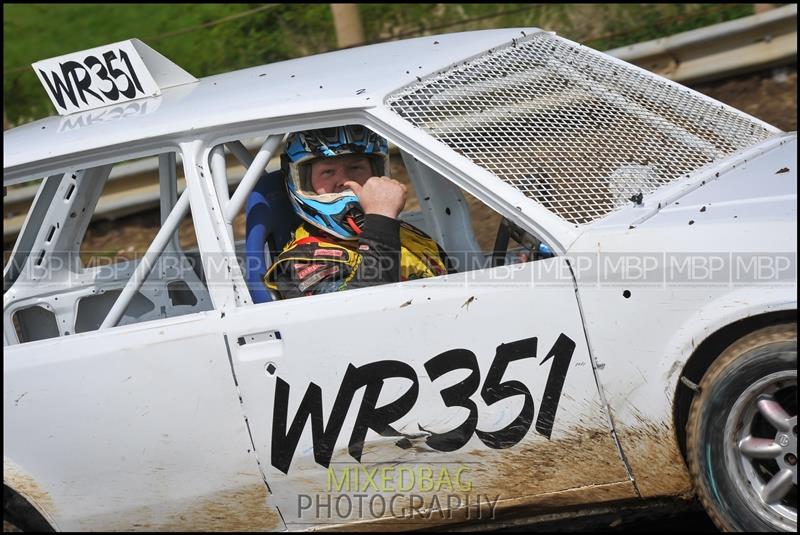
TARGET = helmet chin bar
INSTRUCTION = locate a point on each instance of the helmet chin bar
(352, 211)
(330, 217)
(338, 214)
(357, 213)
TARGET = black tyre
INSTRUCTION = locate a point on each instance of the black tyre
(19, 515)
(742, 433)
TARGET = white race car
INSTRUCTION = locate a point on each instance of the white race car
(630, 338)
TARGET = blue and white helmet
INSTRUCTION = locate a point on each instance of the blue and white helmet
(335, 213)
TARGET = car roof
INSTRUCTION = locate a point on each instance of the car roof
(355, 78)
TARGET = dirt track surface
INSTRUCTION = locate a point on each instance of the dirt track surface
(770, 96)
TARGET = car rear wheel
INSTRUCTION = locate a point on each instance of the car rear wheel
(742, 433)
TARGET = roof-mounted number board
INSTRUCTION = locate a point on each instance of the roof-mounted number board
(109, 74)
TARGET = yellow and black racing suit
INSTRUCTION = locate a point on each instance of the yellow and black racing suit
(387, 250)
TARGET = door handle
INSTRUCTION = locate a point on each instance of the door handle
(263, 345)
(255, 338)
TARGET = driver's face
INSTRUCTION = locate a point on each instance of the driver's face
(330, 174)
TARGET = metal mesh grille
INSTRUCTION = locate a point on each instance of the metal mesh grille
(570, 128)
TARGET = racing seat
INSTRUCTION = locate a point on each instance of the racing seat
(270, 220)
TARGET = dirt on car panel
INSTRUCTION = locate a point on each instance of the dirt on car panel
(27, 487)
(504, 509)
(655, 459)
(535, 476)
(583, 458)
(547, 504)
(243, 509)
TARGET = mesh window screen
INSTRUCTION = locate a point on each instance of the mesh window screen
(571, 128)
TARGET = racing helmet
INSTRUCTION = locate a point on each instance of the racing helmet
(338, 214)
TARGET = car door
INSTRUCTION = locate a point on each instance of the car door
(387, 403)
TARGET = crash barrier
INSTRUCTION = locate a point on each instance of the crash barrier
(723, 50)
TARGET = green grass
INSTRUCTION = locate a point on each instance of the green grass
(32, 32)
(274, 32)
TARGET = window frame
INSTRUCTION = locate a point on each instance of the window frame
(36, 234)
(495, 197)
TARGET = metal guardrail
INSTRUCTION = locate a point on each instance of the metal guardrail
(718, 51)
(722, 50)
(132, 187)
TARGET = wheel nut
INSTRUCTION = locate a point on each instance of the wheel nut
(790, 459)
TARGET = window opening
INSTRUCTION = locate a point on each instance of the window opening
(461, 224)
(91, 244)
(35, 323)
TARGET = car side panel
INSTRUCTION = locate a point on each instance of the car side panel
(132, 428)
(652, 292)
(297, 354)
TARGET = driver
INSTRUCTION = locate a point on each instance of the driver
(350, 236)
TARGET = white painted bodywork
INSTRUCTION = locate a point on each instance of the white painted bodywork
(168, 423)
(140, 429)
(748, 209)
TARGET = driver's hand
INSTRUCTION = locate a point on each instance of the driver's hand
(380, 195)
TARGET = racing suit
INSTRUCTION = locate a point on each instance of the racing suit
(387, 250)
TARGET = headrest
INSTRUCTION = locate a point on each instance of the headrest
(270, 222)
